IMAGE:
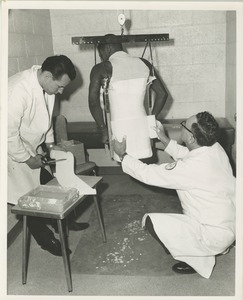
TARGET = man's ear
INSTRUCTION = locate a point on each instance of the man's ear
(191, 139)
(47, 74)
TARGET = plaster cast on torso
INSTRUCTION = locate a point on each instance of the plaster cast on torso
(127, 90)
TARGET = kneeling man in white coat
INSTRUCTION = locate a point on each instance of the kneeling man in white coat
(204, 181)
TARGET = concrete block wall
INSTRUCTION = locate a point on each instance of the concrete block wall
(230, 100)
(30, 42)
(193, 67)
(30, 39)
(198, 68)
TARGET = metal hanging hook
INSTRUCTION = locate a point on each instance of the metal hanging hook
(122, 20)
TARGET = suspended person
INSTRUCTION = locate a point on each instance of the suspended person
(202, 176)
(31, 99)
(126, 77)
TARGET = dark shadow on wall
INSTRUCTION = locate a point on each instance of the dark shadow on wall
(69, 90)
(128, 25)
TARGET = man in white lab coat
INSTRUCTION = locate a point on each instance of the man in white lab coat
(203, 178)
(31, 99)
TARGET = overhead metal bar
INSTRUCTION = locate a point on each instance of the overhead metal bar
(164, 37)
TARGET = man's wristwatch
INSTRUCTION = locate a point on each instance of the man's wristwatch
(122, 156)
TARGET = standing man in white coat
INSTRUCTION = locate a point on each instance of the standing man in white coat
(203, 178)
(30, 105)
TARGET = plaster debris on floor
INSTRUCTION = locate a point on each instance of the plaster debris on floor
(124, 252)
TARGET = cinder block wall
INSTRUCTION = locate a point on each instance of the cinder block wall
(198, 68)
(30, 39)
(30, 42)
(230, 97)
(193, 67)
(230, 100)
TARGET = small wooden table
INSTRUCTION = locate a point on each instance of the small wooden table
(92, 181)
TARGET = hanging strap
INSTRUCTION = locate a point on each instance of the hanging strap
(151, 56)
(145, 49)
(151, 77)
(95, 47)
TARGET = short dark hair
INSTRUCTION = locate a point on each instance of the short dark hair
(206, 130)
(112, 41)
(59, 65)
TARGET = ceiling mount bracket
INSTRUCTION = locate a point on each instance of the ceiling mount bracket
(133, 38)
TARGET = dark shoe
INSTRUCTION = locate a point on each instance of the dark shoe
(54, 247)
(183, 268)
(78, 226)
(72, 226)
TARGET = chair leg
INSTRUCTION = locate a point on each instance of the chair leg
(100, 218)
(65, 256)
(24, 250)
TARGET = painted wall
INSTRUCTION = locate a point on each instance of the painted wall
(30, 42)
(230, 98)
(30, 39)
(198, 68)
(193, 67)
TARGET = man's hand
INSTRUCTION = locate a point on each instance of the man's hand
(104, 135)
(119, 147)
(35, 162)
(52, 146)
(161, 133)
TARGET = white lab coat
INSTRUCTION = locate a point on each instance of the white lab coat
(205, 185)
(29, 125)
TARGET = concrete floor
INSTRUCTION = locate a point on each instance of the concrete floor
(46, 272)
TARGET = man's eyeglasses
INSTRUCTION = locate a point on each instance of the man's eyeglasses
(183, 124)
